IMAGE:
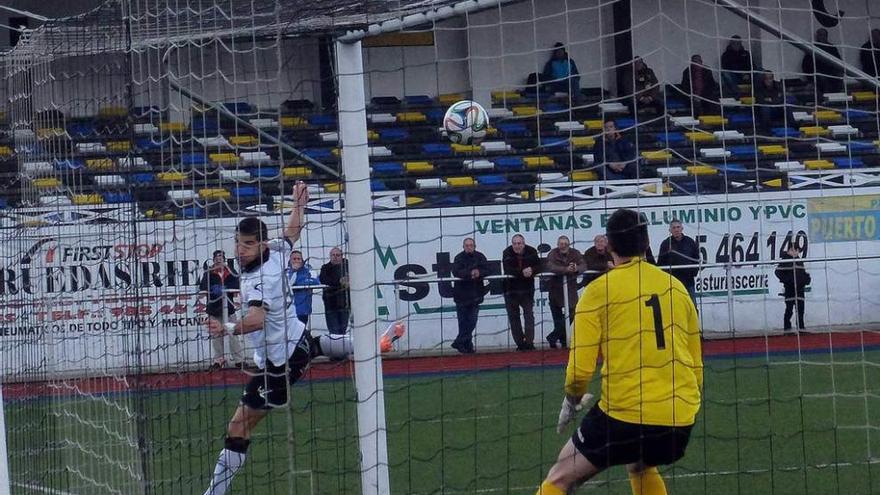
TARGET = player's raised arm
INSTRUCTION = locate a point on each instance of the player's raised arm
(252, 321)
(585, 339)
(297, 219)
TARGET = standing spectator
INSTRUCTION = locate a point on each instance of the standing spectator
(699, 85)
(521, 264)
(567, 263)
(870, 54)
(736, 67)
(469, 267)
(641, 82)
(598, 259)
(828, 77)
(299, 274)
(617, 154)
(218, 284)
(336, 298)
(795, 279)
(561, 73)
(679, 249)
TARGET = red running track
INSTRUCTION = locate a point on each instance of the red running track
(456, 363)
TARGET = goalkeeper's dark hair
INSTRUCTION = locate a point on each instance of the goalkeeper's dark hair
(253, 226)
(627, 232)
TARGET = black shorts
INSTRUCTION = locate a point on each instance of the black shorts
(606, 441)
(268, 388)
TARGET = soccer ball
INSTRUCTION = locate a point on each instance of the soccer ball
(466, 122)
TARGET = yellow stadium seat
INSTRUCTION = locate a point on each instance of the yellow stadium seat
(584, 175)
(172, 126)
(223, 158)
(747, 100)
(292, 122)
(827, 116)
(498, 96)
(418, 167)
(112, 112)
(772, 150)
(656, 156)
(713, 120)
(372, 135)
(491, 131)
(813, 131)
(336, 152)
(50, 132)
(5, 151)
(864, 96)
(460, 181)
(87, 199)
(214, 193)
(243, 140)
(699, 137)
(524, 110)
(118, 146)
(582, 142)
(171, 176)
(450, 98)
(773, 183)
(702, 170)
(47, 182)
(539, 161)
(99, 164)
(334, 187)
(818, 164)
(411, 117)
(414, 200)
(594, 125)
(652, 188)
(294, 172)
(465, 148)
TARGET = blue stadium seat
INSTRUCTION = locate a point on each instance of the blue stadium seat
(319, 153)
(856, 115)
(192, 212)
(846, 162)
(264, 172)
(393, 134)
(509, 163)
(675, 105)
(205, 126)
(554, 107)
(244, 192)
(69, 164)
(672, 139)
(377, 185)
(739, 118)
(393, 168)
(81, 129)
(322, 120)
(625, 123)
(731, 168)
(3, 204)
(435, 114)
(117, 197)
(556, 142)
(861, 146)
(419, 100)
(512, 129)
(786, 132)
(147, 144)
(193, 159)
(743, 151)
(491, 180)
(143, 178)
(451, 199)
(437, 149)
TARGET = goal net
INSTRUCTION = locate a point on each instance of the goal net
(139, 133)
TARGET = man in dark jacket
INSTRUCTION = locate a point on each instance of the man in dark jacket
(219, 285)
(598, 259)
(698, 84)
(736, 67)
(679, 249)
(469, 267)
(567, 263)
(828, 76)
(795, 279)
(336, 300)
(617, 154)
(869, 54)
(521, 264)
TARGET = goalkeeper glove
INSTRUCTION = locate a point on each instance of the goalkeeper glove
(230, 328)
(569, 410)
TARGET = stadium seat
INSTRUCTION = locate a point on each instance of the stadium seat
(459, 149)
(460, 181)
(594, 125)
(91, 148)
(238, 107)
(740, 119)
(214, 193)
(265, 172)
(837, 97)
(54, 200)
(588, 158)
(843, 130)
(699, 137)
(418, 167)
(730, 135)
(713, 120)
(322, 120)
(37, 169)
(213, 142)
(118, 146)
(491, 180)
(437, 149)
(112, 112)
(742, 151)
(512, 129)
(109, 181)
(51, 133)
(747, 100)
(192, 212)
(509, 163)
(172, 126)
(390, 168)
(732, 168)
(861, 147)
(848, 162)
(126, 162)
(702, 170)
(147, 128)
(171, 177)
(783, 132)
(81, 130)
(448, 99)
(245, 192)
(87, 199)
(223, 158)
(234, 175)
(148, 144)
(525, 111)
(613, 107)
(296, 172)
(495, 146)
(830, 147)
(824, 116)
(864, 96)
(685, 121)
(789, 166)
(539, 161)
(332, 136)
(478, 165)
(584, 175)
(818, 164)
(671, 172)
(393, 134)
(656, 156)
(498, 113)
(265, 123)
(772, 150)
(5, 151)
(671, 139)
(117, 197)
(625, 123)
(142, 179)
(243, 141)
(46, 183)
(377, 185)
(181, 195)
(255, 157)
(419, 100)
(582, 142)
(99, 164)
(569, 126)
(381, 118)
(714, 153)
(432, 183)
(289, 122)
(193, 159)
(814, 131)
(319, 154)
(435, 115)
(411, 117)
(374, 151)
(504, 96)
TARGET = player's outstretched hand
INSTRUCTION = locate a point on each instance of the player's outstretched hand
(301, 193)
(569, 411)
(215, 327)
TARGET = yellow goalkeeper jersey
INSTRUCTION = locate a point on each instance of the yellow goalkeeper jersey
(646, 328)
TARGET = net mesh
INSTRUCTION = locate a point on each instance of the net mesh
(140, 132)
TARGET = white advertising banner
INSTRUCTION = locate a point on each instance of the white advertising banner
(96, 298)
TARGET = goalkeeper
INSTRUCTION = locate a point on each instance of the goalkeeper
(645, 326)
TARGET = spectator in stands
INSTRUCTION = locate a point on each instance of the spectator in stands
(699, 85)
(641, 82)
(616, 154)
(521, 264)
(870, 54)
(827, 77)
(770, 102)
(219, 284)
(795, 279)
(736, 67)
(469, 267)
(597, 259)
(334, 275)
(561, 73)
(677, 250)
(299, 274)
(567, 263)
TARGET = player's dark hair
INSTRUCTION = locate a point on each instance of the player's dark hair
(627, 233)
(296, 251)
(253, 226)
(218, 252)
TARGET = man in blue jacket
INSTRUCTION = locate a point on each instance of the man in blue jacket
(469, 267)
(299, 274)
(561, 73)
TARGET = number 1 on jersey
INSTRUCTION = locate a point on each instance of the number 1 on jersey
(654, 303)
